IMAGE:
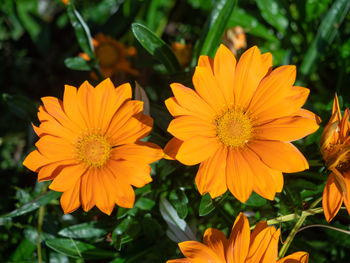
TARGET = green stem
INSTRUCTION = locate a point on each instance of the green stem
(40, 224)
(296, 228)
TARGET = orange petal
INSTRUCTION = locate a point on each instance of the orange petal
(238, 246)
(35, 160)
(133, 173)
(67, 178)
(172, 148)
(180, 260)
(198, 252)
(264, 239)
(186, 127)
(271, 252)
(50, 171)
(281, 156)
(105, 201)
(123, 194)
(70, 199)
(239, 176)
(290, 104)
(273, 89)
(266, 181)
(71, 107)
(207, 88)
(123, 115)
(176, 110)
(336, 108)
(332, 199)
(224, 71)
(346, 195)
(286, 128)
(55, 149)
(205, 61)
(190, 100)
(86, 190)
(54, 107)
(297, 257)
(267, 61)
(136, 128)
(192, 150)
(249, 72)
(211, 176)
(217, 241)
(140, 152)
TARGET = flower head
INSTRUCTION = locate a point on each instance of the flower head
(111, 55)
(89, 145)
(183, 52)
(335, 149)
(238, 124)
(242, 247)
(234, 38)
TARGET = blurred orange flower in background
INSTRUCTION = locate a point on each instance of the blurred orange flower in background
(183, 52)
(90, 146)
(234, 38)
(242, 247)
(335, 149)
(112, 56)
(238, 124)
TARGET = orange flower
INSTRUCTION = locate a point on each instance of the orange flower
(66, 2)
(242, 247)
(183, 53)
(238, 124)
(90, 146)
(234, 38)
(111, 55)
(335, 149)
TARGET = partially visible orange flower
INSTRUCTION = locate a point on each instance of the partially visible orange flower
(66, 2)
(238, 124)
(90, 146)
(260, 246)
(335, 149)
(183, 53)
(111, 55)
(234, 38)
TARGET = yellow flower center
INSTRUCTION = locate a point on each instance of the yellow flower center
(234, 128)
(93, 150)
(107, 55)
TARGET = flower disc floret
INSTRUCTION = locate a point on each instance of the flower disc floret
(233, 128)
(93, 150)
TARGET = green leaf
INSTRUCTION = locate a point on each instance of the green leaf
(77, 249)
(82, 31)
(179, 200)
(206, 206)
(77, 63)
(33, 205)
(255, 200)
(145, 203)
(23, 251)
(156, 47)
(325, 35)
(250, 24)
(178, 229)
(214, 28)
(157, 15)
(84, 230)
(271, 11)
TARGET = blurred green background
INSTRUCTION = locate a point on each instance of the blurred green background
(39, 44)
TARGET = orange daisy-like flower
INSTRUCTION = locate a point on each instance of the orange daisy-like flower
(335, 148)
(183, 53)
(238, 124)
(111, 55)
(90, 146)
(242, 247)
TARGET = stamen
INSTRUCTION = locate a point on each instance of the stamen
(234, 128)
